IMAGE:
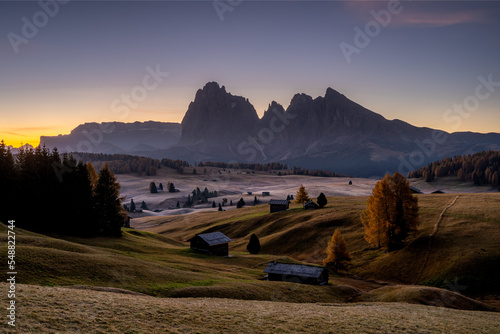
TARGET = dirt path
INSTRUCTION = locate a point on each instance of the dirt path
(436, 228)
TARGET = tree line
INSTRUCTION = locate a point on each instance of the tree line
(268, 167)
(483, 168)
(130, 164)
(46, 192)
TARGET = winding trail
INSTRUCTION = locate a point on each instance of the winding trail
(436, 228)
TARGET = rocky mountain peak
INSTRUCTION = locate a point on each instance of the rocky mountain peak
(217, 116)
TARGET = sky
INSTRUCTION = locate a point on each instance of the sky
(430, 63)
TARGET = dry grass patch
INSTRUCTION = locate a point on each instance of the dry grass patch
(60, 310)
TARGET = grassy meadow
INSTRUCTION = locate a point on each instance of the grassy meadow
(466, 246)
(120, 279)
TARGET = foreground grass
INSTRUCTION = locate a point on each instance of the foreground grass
(65, 310)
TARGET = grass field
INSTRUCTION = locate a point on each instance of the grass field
(120, 279)
(64, 310)
(465, 248)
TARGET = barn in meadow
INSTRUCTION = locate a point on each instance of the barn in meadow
(215, 243)
(277, 205)
(297, 273)
(310, 205)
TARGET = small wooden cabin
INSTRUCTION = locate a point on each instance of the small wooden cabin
(415, 190)
(297, 273)
(215, 243)
(311, 205)
(277, 205)
(266, 193)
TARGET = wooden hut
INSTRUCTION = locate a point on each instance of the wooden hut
(415, 190)
(311, 205)
(215, 243)
(297, 273)
(277, 205)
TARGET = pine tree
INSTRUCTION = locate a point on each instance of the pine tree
(178, 204)
(132, 206)
(152, 188)
(240, 203)
(231, 203)
(302, 195)
(144, 206)
(255, 201)
(337, 255)
(213, 204)
(322, 200)
(160, 186)
(108, 203)
(253, 246)
(8, 182)
(391, 213)
(171, 187)
(220, 207)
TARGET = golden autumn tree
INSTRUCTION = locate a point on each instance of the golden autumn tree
(337, 255)
(93, 176)
(391, 214)
(302, 195)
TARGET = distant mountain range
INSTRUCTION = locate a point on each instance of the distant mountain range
(330, 132)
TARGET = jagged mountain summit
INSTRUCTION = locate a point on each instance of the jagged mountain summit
(328, 132)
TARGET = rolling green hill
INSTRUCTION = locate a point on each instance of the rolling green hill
(464, 251)
(110, 274)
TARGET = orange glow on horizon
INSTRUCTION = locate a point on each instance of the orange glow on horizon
(19, 141)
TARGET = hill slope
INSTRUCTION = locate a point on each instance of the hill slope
(464, 253)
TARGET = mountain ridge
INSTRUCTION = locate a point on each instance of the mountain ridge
(327, 132)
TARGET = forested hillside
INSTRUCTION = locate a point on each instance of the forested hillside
(482, 168)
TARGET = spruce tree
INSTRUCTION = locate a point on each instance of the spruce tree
(132, 206)
(152, 188)
(110, 216)
(240, 203)
(253, 246)
(322, 200)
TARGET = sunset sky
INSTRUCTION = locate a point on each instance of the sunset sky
(420, 61)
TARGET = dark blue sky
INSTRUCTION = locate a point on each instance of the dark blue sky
(77, 66)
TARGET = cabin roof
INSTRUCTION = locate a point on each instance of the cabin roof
(415, 190)
(310, 203)
(279, 202)
(214, 238)
(294, 269)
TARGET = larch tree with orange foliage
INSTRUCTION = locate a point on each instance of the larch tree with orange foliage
(93, 176)
(302, 195)
(337, 255)
(391, 214)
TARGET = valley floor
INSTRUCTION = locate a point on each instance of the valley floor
(69, 310)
